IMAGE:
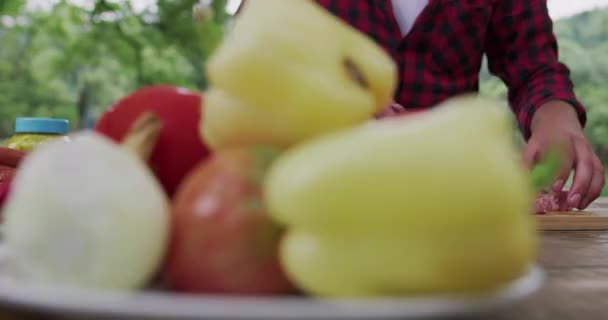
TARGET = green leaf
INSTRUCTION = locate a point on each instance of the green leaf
(545, 171)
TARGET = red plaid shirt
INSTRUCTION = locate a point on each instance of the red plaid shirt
(442, 54)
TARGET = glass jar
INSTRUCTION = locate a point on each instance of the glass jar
(31, 132)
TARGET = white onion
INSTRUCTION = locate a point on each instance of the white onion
(87, 213)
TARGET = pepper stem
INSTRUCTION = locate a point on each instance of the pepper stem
(142, 136)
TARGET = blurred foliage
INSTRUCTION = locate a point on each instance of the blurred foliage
(10, 7)
(74, 61)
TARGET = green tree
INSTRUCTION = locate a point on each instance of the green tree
(74, 62)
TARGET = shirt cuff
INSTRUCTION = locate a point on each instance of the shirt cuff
(526, 112)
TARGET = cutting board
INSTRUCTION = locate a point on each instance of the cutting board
(595, 217)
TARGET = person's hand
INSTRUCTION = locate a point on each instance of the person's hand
(556, 124)
(392, 109)
(395, 110)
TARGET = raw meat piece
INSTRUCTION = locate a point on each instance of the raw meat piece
(552, 201)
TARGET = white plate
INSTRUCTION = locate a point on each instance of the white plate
(79, 304)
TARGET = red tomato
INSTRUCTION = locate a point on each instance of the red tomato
(179, 147)
(223, 241)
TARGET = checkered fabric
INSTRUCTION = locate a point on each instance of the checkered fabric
(442, 55)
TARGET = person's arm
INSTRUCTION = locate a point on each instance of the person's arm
(522, 51)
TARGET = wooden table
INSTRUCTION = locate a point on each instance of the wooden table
(576, 263)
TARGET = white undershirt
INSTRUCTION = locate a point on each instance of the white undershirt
(406, 12)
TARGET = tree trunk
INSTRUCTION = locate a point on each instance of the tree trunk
(82, 107)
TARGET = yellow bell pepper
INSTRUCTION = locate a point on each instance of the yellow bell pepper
(289, 71)
(434, 203)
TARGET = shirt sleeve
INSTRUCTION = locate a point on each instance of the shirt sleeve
(522, 50)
